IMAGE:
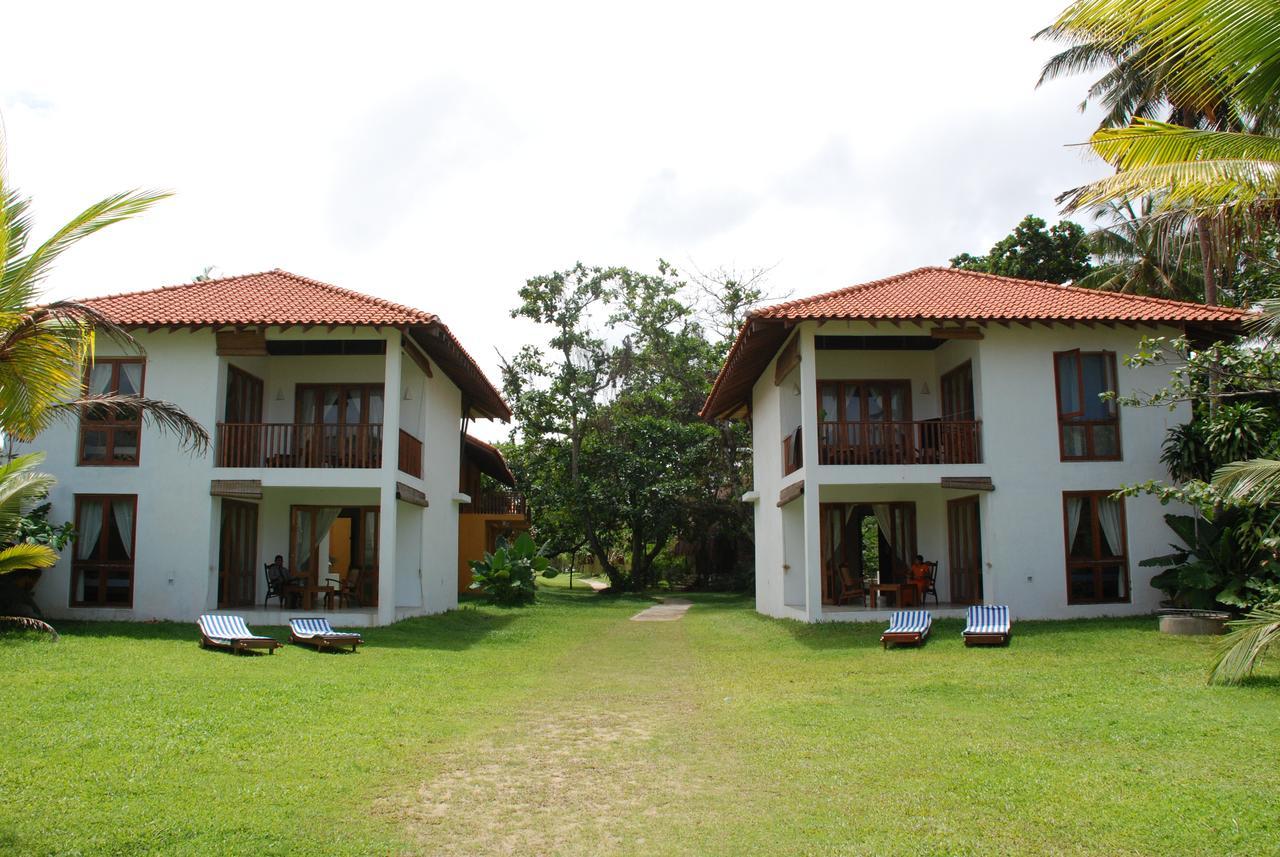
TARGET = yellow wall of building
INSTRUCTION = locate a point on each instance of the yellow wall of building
(473, 534)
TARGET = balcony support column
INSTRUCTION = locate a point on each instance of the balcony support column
(809, 445)
(387, 560)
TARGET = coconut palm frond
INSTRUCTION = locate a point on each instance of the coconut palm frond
(165, 416)
(1267, 324)
(1076, 59)
(1147, 143)
(1207, 187)
(1240, 651)
(21, 489)
(26, 556)
(19, 285)
(27, 623)
(1207, 47)
(1256, 481)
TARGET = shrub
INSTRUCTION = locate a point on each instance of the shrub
(507, 575)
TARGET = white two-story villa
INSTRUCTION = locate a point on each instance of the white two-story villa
(954, 415)
(338, 422)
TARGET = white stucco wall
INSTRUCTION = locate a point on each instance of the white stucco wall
(178, 522)
(1021, 521)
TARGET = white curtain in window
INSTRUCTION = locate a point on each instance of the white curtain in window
(324, 520)
(100, 379)
(1075, 505)
(122, 510)
(88, 528)
(130, 379)
(1109, 518)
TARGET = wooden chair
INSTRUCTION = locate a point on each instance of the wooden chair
(280, 584)
(850, 587)
(931, 583)
(347, 589)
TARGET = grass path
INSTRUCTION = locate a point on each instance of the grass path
(568, 729)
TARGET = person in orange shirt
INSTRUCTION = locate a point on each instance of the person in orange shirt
(920, 576)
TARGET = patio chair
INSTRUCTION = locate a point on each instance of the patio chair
(987, 626)
(851, 587)
(931, 583)
(230, 632)
(907, 626)
(319, 633)
(280, 584)
(347, 588)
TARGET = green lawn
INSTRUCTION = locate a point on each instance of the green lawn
(566, 729)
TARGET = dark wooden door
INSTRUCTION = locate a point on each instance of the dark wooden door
(238, 554)
(965, 550)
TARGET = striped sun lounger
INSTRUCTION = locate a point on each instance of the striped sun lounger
(907, 626)
(319, 633)
(230, 632)
(987, 626)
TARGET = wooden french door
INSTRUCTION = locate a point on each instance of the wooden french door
(244, 397)
(864, 422)
(237, 554)
(853, 535)
(959, 441)
(352, 534)
(341, 424)
(964, 544)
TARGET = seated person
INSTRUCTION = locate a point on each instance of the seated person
(919, 574)
(283, 573)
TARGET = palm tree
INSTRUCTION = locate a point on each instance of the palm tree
(45, 349)
(1138, 254)
(1219, 59)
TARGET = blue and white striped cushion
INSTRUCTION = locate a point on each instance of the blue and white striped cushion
(988, 620)
(222, 628)
(317, 628)
(910, 622)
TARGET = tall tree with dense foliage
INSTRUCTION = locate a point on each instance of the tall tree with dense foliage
(1035, 251)
(609, 435)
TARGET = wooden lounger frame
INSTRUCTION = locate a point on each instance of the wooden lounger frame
(900, 637)
(322, 642)
(241, 645)
(987, 639)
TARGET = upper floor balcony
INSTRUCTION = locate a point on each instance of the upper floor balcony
(277, 445)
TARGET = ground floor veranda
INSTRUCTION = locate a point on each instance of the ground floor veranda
(882, 548)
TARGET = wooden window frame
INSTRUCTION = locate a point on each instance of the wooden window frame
(1070, 418)
(841, 383)
(365, 389)
(111, 426)
(79, 566)
(1098, 562)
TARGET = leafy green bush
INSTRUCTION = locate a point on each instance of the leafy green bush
(1214, 566)
(507, 575)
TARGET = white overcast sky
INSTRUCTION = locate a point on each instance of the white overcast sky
(438, 154)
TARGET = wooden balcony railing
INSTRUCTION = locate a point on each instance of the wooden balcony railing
(497, 503)
(299, 445)
(792, 453)
(409, 459)
(901, 442)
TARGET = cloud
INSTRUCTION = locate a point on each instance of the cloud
(668, 209)
(404, 151)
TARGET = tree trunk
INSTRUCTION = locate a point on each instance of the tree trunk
(1207, 260)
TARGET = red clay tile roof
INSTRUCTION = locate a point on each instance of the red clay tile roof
(940, 295)
(279, 298)
(951, 294)
(271, 297)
